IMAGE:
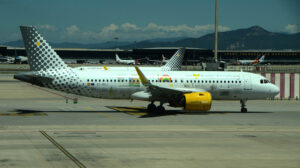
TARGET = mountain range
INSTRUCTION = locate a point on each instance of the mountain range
(241, 39)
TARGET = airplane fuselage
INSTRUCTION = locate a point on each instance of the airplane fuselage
(122, 84)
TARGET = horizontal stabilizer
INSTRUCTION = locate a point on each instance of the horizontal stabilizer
(34, 78)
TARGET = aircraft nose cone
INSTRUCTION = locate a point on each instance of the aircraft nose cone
(275, 90)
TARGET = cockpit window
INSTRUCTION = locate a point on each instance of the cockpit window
(264, 81)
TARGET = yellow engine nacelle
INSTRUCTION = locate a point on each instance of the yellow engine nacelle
(198, 101)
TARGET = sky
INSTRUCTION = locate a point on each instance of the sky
(94, 21)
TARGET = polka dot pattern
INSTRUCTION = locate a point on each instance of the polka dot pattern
(174, 64)
(40, 55)
(46, 63)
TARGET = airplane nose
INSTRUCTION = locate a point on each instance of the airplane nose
(275, 90)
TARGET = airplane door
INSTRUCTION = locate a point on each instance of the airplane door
(247, 82)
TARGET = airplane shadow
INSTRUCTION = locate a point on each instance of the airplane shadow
(25, 111)
(140, 113)
(177, 112)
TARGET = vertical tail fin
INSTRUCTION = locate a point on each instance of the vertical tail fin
(117, 57)
(40, 54)
(262, 58)
(174, 63)
(163, 59)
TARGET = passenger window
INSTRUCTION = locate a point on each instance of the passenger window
(175, 81)
(209, 81)
(261, 81)
(181, 81)
(115, 80)
(240, 81)
(88, 80)
(213, 81)
(235, 81)
(92, 80)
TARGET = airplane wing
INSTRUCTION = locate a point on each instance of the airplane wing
(163, 93)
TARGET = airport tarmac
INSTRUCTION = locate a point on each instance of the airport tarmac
(38, 128)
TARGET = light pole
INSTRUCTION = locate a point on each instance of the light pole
(216, 32)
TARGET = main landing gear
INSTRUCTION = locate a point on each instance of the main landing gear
(153, 109)
(243, 106)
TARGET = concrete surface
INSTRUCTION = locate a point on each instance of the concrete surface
(38, 129)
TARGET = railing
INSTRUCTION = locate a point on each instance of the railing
(267, 68)
(255, 69)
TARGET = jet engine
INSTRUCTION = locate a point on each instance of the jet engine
(198, 101)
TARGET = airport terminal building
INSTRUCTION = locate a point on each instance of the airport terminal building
(193, 56)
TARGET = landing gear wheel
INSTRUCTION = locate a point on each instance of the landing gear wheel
(160, 109)
(243, 105)
(151, 108)
(244, 110)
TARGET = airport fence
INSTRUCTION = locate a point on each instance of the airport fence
(266, 68)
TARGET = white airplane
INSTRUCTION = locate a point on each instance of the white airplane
(128, 62)
(192, 90)
(6, 59)
(173, 64)
(162, 62)
(251, 62)
(20, 60)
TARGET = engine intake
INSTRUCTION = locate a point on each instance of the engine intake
(198, 101)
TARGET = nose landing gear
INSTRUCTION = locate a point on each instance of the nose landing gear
(243, 106)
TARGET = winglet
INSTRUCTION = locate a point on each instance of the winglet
(143, 78)
(105, 68)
